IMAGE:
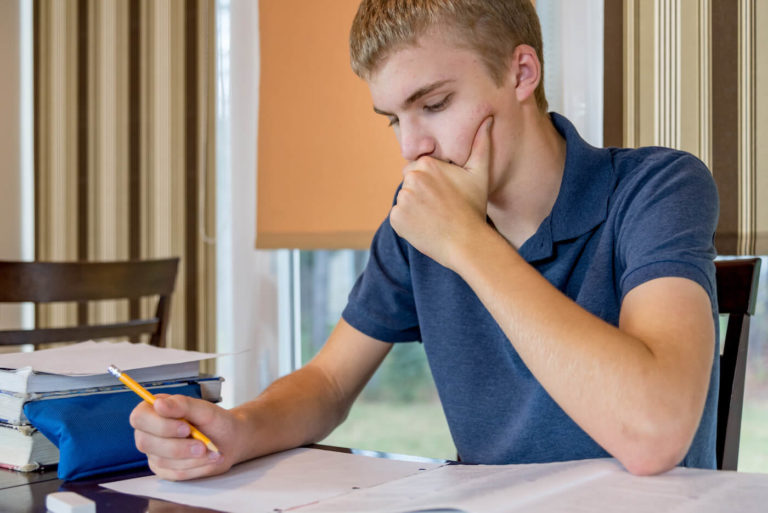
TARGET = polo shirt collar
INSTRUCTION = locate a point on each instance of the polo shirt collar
(582, 203)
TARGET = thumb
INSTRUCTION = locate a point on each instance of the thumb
(480, 155)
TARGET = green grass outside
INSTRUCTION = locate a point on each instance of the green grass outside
(415, 428)
(753, 444)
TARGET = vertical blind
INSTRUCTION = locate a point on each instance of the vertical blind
(693, 75)
(124, 151)
(327, 165)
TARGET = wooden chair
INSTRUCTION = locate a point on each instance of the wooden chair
(736, 293)
(48, 282)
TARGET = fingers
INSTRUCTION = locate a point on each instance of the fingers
(164, 437)
(479, 159)
(415, 179)
(162, 420)
(199, 412)
(173, 406)
(209, 459)
(178, 448)
(169, 415)
(178, 470)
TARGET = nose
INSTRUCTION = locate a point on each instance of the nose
(415, 141)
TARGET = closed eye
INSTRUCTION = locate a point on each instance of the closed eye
(391, 117)
(437, 107)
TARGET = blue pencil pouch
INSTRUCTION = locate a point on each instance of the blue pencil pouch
(92, 431)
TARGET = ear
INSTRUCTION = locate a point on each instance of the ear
(525, 72)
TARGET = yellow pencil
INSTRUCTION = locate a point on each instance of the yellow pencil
(147, 396)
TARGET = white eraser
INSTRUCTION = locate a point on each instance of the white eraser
(69, 502)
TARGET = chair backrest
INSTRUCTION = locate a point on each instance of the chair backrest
(736, 292)
(49, 282)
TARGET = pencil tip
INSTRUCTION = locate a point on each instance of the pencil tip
(212, 447)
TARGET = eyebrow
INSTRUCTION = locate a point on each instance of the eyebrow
(423, 91)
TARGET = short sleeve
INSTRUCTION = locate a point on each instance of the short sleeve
(381, 303)
(670, 210)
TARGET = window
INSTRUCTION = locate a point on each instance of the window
(753, 446)
(16, 144)
(398, 411)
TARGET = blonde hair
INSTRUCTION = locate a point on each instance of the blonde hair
(492, 28)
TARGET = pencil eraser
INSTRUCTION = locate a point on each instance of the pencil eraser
(69, 502)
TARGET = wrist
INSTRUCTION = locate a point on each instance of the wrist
(243, 430)
(474, 248)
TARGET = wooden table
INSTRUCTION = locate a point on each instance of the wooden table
(26, 492)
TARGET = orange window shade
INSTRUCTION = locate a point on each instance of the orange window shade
(328, 166)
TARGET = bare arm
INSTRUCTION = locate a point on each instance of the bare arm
(297, 409)
(305, 406)
(639, 389)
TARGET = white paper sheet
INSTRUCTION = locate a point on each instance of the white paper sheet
(314, 481)
(578, 486)
(91, 358)
(469, 488)
(681, 490)
(283, 481)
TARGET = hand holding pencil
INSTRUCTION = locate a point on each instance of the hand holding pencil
(147, 396)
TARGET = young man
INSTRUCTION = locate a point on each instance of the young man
(564, 294)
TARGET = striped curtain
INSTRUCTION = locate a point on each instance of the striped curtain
(693, 75)
(124, 119)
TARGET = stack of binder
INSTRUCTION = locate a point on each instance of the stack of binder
(72, 405)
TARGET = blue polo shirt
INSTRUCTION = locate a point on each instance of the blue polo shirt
(622, 217)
